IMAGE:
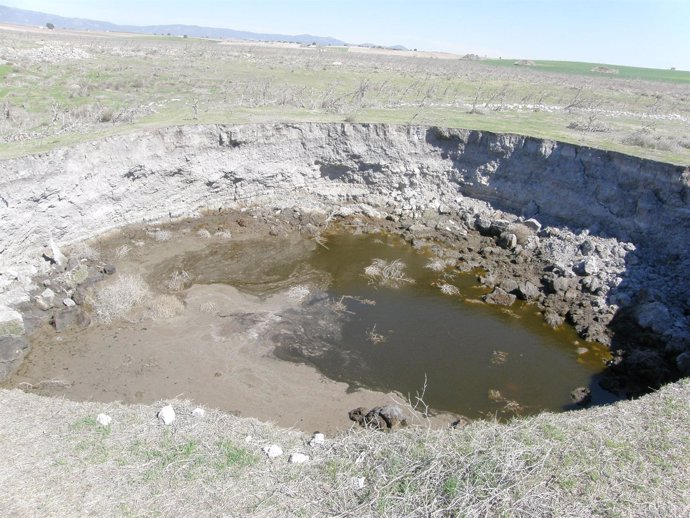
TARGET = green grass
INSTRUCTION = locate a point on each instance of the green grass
(589, 69)
(232, 456)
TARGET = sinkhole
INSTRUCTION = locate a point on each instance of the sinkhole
(292, 272)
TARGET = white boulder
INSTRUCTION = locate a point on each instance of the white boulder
(298, 458)
(317, 439)
(103, 419)
(166, 414)
(273, 451)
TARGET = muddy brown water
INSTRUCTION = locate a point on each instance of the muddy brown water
(293, 331)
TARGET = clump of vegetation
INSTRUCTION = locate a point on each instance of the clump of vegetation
(374, 337)
(178, 280)
(448, 289)
(162, 235)
(82, 250)
(438, 265)
(117, 299)
(122, 251)
(390, 274)
(163, 307)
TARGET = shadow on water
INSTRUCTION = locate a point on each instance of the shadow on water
(611, 195)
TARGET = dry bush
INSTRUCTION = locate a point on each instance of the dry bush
(448, 289)
(299, 292)
(646, 139)
(122, 251)
(105, 115)
(438, 265)
(117, 299)
(178, 280)
(209, 308)
(223, 234)
(374, 337)
(83, 250)
(522, 233)
(162, 307)
(162, 235)
(390, 274)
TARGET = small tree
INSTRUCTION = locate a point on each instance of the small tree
(50, 26)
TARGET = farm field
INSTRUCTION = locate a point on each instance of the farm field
(62, 87)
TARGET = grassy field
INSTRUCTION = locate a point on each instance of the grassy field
(60, 87)
(596, 70)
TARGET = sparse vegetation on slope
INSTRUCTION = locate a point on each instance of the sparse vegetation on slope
(630, 459)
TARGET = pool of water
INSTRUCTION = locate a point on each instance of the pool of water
(452, 350)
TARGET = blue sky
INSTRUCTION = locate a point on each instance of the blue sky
(651, 33)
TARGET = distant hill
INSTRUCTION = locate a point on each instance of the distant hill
(35, 18)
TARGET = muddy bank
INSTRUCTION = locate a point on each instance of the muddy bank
(595, 238)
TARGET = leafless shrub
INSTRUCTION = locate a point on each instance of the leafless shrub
(591, 124)
(647, 140)
(605, 70)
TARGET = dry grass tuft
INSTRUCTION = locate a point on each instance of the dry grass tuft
(117, 299)
(390, 274)
(83, 250)
(448, 289)
(209, 308)
(163, 307)
(374, 337)
(162, 235)
(178, 280)
(438, 265)
(122, 251)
